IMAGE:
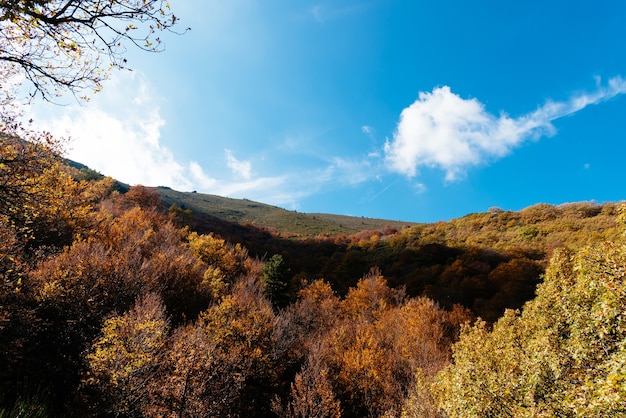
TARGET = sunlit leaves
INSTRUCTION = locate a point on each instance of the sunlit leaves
(224, 364)
(563, 356)
(363, 353)
(124, 359)
(41, 206)
(225, 262)
(73, 44)
(135, 252)
(105, 299)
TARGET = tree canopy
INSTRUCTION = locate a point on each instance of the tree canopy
(109, 308)
(71, 45)
(563, 355)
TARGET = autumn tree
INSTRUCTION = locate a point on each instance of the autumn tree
(71, 45)
(39, 200)
(316, 311)
(124, 359)
(42, 210)
(225, 364)
(69, 295)
(136, 252)
(377, 361)
(312, 394)
(362, 354)
(563, 355)
(139, 196)
(225, 262)
(187, 373)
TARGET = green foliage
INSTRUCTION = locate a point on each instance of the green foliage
(562, 356)
(276, 280)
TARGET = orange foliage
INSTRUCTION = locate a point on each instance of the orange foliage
(366, 356)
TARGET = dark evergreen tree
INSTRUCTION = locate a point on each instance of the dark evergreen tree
(276, 280)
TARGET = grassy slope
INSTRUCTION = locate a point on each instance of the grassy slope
(243, 211)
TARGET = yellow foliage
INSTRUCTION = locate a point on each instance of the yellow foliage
(564, 355)
(373, 349)
(225, 262)
(123, 359)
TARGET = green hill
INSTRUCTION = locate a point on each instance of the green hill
(275, 219)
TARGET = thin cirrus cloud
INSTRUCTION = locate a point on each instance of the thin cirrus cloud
(444, 131)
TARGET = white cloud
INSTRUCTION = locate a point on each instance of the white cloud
(242, 169)
(442, 130)
(118, 134)
(351, 171)
(199, 178)
(420, 188)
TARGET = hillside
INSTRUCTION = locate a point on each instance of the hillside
(212, 209)
(216, 312)
(486, 262)
(292, 223)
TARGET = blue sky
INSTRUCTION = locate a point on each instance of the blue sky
(396, 109)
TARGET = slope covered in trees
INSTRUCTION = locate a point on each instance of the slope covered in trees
(109, 306)
(488, 262)
(112, 306)
(126, 314)
(562, 355)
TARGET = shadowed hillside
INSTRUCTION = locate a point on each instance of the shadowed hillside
(486, 262)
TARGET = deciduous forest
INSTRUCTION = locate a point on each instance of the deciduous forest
(114, 303)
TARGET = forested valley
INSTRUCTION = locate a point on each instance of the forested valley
(116, 304)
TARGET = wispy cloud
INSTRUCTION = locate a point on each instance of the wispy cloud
(119, 134)
(443, 130)
(242, 169)
(200, 179)
(352, 171)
